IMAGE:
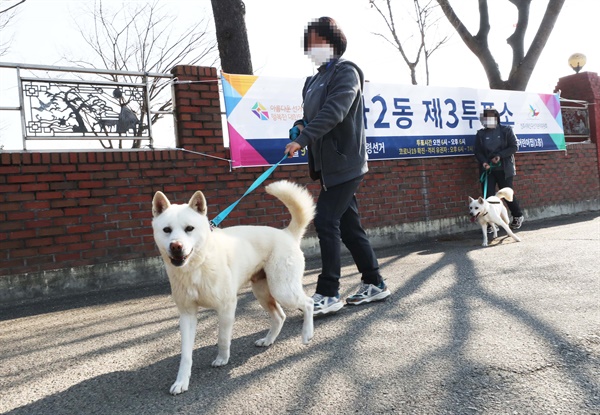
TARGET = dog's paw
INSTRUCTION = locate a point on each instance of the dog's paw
(516, 238)
(179, 387)
(264, 342)
(484, 244)
(220, 361)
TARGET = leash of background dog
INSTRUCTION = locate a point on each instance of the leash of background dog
(219, 218)
(484, 177)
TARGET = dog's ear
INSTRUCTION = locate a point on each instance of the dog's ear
(198, 203)
(480, 200)
(160, 203)
(471, 200)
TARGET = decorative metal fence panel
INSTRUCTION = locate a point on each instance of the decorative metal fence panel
(576, 121)
(84, 110)
(104, 108)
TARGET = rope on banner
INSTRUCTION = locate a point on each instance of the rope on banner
(199, 154)
(207, 155)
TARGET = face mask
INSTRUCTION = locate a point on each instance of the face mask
(320, 54)
(489, 122)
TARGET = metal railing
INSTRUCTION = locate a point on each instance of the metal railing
(78, 109)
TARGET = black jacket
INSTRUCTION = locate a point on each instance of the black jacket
(507, 149)
(334, 132)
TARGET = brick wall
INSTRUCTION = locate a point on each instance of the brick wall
(584, 86)
(68, 210)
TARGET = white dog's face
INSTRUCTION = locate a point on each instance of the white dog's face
(476, 208)
(180, 231)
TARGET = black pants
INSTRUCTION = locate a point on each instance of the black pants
(497, 178)
(337, 220)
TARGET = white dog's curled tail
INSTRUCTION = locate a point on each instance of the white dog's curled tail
(299, 202)
(506, 193)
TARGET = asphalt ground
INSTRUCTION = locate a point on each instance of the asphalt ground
(509, 329)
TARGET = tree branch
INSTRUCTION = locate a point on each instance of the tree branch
(517, 40)
(13, 6)
(477, 44)
(521, 75)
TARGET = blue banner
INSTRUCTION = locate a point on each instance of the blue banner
(401, 121)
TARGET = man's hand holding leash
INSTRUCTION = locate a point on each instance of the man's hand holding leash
(494, 161)
(292, 147)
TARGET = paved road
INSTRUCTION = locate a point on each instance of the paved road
(509, 329)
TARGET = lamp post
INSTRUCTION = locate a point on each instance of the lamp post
(577, 61)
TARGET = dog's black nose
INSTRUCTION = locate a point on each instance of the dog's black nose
(176, 248)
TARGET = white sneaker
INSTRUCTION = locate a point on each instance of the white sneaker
(326, 305)
(517, 222)
(369, 292)
(490, 228)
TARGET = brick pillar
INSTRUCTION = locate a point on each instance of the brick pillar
(197, 110)
(585, 86)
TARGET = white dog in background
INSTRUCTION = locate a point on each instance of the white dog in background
(491, 211)
(207, 268)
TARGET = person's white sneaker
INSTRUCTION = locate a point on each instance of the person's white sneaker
(369, 292)
(517, 222)
(326, 305)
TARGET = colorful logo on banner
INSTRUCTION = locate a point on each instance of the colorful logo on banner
(534, 112)
(260, 111)
(401, 121)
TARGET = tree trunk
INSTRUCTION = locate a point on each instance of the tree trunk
(232, 37)
(523, 62)
(521, 71)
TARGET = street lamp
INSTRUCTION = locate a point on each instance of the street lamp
(577, 61)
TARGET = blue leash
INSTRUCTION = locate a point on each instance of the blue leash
(484, 177)
(219, 218)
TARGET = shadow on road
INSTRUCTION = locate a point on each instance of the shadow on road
(214, 390)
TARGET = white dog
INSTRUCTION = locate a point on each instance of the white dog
(207, 268)
(491, 211)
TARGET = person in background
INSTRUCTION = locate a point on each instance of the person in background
(495, 148)
(333, 130)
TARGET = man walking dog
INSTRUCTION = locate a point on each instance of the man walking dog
(495, 148)
(333, 129)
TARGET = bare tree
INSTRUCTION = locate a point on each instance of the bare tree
(232, 36)
(144, 38)
(426, 20)
(7, 13)
(523, 62)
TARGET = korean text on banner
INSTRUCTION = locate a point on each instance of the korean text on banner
(401, 121)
